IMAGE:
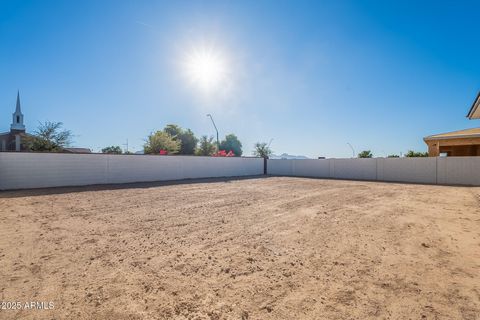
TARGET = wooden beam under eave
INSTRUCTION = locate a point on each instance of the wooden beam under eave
(459, 142)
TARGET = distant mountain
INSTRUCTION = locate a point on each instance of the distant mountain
(287, 156)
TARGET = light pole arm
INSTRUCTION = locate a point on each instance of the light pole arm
(213, 122)
(353, 150)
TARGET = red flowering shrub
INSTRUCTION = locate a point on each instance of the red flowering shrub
(223, 153)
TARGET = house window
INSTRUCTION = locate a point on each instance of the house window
(18, 119)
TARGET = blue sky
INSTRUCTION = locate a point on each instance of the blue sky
(312, 75)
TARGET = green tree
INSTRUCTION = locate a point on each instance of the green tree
(231, 143)
(112, 150)
(173, 130)
(414, 154)
(365, 154)
(161, 140)
(262, 150)
(188, 141)
(206, 146)
(49, 136)
(393, 156)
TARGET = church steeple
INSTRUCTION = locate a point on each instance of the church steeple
(17, 116)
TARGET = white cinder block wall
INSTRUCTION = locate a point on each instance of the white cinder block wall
(311, 168)
(357, 169)
(448, 170)
(417, 170)
(459, 170)
(35, 170)
(41, 170)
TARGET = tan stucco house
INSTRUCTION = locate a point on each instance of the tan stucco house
(457, 143)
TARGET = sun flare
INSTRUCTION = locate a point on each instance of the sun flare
(206, 68)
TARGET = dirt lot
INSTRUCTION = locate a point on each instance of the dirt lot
(264, 248)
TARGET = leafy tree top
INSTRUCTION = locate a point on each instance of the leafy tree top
(206, 147)
(112, 150)
(49, 136)
(187, 139)
(161, 140)
(173, 130)
(414, 154)
(231, 143)
(365, 154)
(262, 150)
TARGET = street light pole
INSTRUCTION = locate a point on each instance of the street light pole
(268, 146)
(353, 150)
(213, 122)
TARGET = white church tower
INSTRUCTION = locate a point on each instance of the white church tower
(17, 117)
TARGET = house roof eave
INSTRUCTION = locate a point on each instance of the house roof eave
(473, 110)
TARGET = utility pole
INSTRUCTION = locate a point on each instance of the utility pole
(126, 144)
(213, 122)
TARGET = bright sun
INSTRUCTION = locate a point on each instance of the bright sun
(206, 68)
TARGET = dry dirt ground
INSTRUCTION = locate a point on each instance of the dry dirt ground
(260, 248)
